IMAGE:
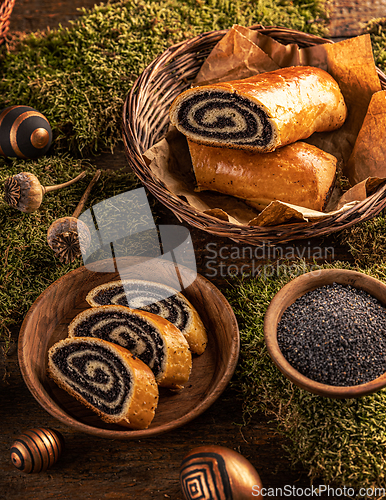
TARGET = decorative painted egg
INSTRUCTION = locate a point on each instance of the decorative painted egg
(24, 132)
(37, 450)
(218, 473)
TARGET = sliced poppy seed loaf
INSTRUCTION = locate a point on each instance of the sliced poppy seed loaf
(156, 341)
(262, 112)
(106, 378)
(150, 296)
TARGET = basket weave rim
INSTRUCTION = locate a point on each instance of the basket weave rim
(6, 8)
(363, 210)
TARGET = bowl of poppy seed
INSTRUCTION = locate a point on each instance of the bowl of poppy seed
(326, 332)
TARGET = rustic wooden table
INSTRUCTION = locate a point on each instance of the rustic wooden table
(143, 469)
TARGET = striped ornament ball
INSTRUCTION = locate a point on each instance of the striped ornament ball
(215, 472)
(24, 132)
(36, 450)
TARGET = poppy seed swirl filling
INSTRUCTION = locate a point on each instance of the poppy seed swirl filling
(96, 374)
(129, 331)
(226, 117)
(147, 298)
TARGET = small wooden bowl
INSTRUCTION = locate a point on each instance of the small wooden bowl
(295, 289)
(47, 320)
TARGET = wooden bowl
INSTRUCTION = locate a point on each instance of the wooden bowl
(295, 289)
(47, 320)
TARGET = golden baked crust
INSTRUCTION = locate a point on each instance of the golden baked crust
(263, 112)
(139, 407)
(178, 363)
(175, 367)
(300, 174)
(133, 290)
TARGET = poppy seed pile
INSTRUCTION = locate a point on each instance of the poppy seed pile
(335, 335)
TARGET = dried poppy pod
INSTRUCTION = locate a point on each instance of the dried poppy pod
(63, 237)
(68, 236)
(24, 192)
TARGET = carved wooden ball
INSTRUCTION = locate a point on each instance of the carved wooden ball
(218, 473)
(24, 132)
(37, 450)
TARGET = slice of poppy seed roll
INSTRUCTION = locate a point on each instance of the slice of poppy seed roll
(149, 296)
(262, 112)
(156, 341)
(106, 378)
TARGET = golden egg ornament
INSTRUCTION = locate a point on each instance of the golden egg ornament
(36, 450)
(24, 132)
(218, 473)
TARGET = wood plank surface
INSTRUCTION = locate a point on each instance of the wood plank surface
(96, 468)
(145, 469)
(345, 17)
(349, 17)
(34, 15)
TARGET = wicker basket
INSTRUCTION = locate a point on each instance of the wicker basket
(6, 7)
(145, 120)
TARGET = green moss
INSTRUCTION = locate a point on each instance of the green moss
(377, 31)
(29, 266)
(78, 77)
(342, 442)
(367, 241)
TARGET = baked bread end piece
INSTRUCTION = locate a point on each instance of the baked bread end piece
(106, 378)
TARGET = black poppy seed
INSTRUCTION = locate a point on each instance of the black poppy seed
(136, 327)
(89, 386)
(335, 335)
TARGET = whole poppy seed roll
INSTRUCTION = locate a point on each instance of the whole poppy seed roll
(300, 174)
(106, 378)
(263, 112)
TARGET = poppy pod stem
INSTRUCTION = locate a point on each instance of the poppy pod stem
(86, 194)
(47, 189)
(68, 236)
